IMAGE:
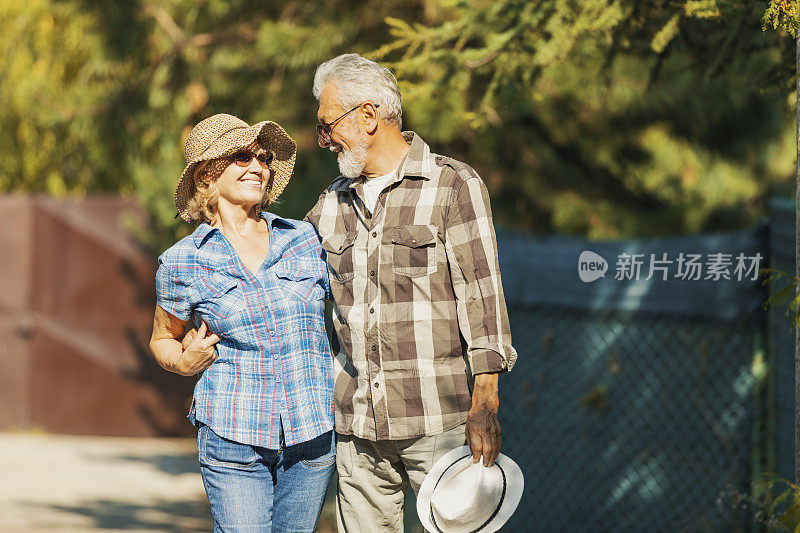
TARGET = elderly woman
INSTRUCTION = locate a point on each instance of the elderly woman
(253, 285)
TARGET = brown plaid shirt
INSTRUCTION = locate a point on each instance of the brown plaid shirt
(416, 288)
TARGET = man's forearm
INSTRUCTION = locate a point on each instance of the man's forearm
(485, 393)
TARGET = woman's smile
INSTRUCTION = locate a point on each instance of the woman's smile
(252, 181)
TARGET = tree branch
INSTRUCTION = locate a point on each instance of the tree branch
(165, 21)
(596, 174)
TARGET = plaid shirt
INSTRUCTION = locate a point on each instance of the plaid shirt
(273, 366)
(416, 288)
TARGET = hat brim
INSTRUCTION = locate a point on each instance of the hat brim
(270, 135)
(514, 486)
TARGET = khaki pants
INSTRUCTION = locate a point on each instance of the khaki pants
(374, 476)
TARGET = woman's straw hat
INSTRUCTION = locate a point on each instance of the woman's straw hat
(459, 496)
(222, 135)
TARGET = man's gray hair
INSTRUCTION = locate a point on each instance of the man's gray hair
(360, 80)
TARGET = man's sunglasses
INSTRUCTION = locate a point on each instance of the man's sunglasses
(324, 130)
(243, 158)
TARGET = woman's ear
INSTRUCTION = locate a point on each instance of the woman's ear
(201, 178)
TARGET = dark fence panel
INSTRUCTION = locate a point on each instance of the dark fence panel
(628, 423)
(633, 404)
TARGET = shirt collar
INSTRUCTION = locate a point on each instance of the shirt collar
(417, 161)
(204, 230)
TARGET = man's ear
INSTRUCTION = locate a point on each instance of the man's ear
(370, 115)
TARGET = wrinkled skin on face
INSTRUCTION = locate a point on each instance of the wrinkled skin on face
(348, 140)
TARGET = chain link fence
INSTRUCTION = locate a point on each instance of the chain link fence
(626, 423)
(634, 405)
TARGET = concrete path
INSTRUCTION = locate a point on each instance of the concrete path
(79, 484)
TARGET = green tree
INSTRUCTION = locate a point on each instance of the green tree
(99, 96)
(605, 118)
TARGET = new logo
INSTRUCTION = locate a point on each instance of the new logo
(591, 266)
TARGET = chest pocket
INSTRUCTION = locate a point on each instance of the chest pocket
(300, 284)
(223, 298)
(414, 250)
(339, 253)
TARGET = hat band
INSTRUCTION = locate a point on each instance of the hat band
(499, 503)
(220, 136)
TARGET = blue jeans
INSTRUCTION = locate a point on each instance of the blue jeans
(254, 489)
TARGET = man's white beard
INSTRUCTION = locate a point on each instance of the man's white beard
(351, 162)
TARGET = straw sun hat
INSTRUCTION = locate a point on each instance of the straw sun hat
(222, 135)
(459, 496)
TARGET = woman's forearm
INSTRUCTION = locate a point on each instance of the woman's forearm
(174, 352)
(167, 353)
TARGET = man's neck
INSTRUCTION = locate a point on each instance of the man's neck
(386, 153)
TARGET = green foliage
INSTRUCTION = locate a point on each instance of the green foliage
(774, 502)
(781, 14)
(56, 77)
(99, 96)
(785, 294)
(606, 118)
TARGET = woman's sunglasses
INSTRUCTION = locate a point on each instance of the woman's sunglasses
(243, 158)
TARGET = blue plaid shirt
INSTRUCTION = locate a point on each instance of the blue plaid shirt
(274, 367)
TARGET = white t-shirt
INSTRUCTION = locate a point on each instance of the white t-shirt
(373, 188)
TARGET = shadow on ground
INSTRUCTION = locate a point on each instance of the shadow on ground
(183, 516)
(172, 464)
(162, 493)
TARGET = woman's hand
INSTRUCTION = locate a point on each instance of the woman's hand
(182, 354)
(198, 353)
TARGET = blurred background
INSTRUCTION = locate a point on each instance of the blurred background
(612, 125)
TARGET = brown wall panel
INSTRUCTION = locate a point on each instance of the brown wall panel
(14, 384)
(75, 393)
(15, 284)
(92, 281)
(76, 311)
(16, 245)
(88, 266)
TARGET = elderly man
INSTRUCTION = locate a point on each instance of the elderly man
(412, 258)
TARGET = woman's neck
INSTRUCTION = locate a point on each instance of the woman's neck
(237, 219)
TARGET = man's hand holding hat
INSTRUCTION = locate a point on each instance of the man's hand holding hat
(484, 436)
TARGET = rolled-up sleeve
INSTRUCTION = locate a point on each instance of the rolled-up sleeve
(173, 292)
(471, 247)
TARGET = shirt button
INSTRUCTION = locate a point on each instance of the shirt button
(371, 310)
(272, 333)
(371, 272)
(376, 385)
(374, 233)
(413, 241)
(374, 348)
